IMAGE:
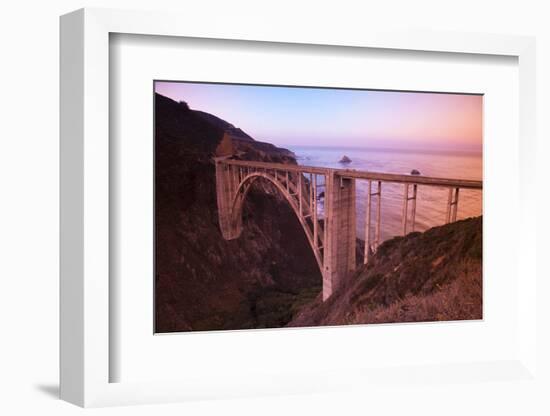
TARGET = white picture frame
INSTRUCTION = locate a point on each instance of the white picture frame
(85, 165)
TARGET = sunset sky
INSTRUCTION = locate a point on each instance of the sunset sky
(289, 116)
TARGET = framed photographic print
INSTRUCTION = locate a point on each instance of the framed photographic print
(281, 212)
(325, 220)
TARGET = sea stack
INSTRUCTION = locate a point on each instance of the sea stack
(345, 159)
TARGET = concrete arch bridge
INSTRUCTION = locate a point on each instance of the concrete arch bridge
(332, 233)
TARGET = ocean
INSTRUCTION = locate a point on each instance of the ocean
(431, 201)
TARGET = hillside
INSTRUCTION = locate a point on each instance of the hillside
(203, 282)
(435, 275)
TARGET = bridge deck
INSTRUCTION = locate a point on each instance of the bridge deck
(359, 174)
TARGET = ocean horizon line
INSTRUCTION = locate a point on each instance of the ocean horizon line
(383, 149)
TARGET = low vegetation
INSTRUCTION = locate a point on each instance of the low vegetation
(430, 276)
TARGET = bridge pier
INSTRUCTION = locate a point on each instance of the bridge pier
(227, 181)
(340, 232)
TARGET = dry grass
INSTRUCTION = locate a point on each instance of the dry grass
(459, 300)
(431, 276)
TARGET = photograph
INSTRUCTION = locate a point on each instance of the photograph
(279, 206)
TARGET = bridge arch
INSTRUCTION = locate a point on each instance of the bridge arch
(333, 240)
(243, 189)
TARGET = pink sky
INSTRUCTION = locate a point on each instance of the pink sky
(329, 117)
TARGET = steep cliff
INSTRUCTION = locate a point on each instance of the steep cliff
(203, 282)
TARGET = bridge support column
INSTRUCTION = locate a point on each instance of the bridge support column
(340, 232)
(227, 182)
